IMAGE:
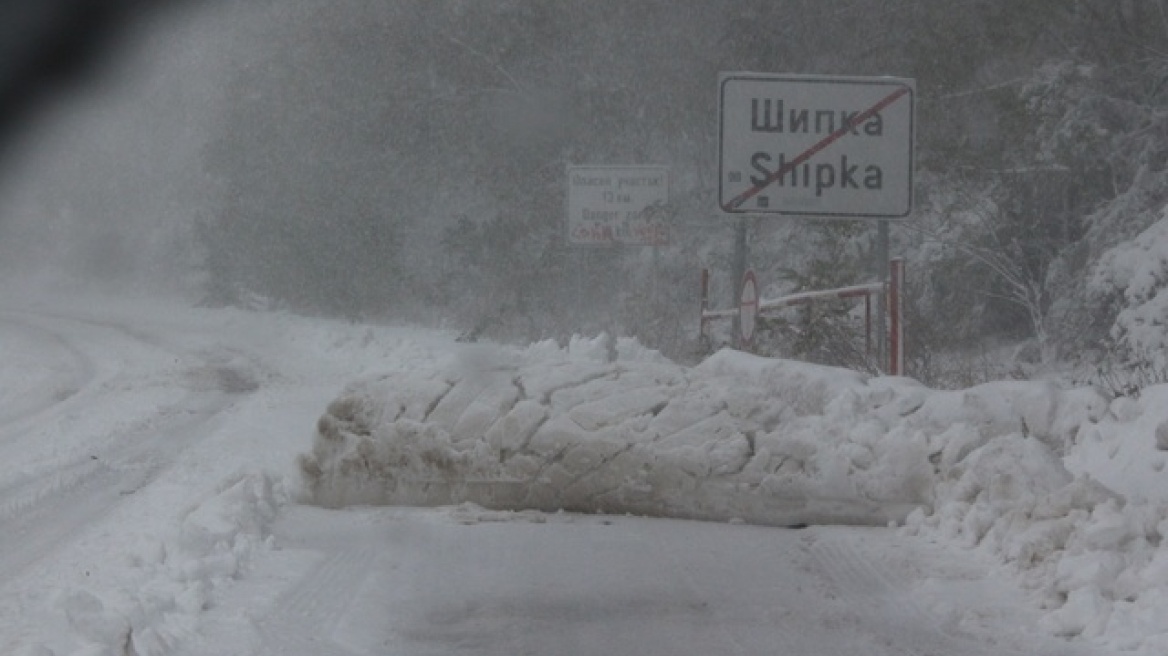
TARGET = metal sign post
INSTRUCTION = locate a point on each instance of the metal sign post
(738, 271)
(819, 147)
(896, 310)
(882, 249)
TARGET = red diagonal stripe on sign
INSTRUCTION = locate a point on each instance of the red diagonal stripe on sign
(856, 120)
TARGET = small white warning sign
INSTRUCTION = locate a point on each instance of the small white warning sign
(618, 205)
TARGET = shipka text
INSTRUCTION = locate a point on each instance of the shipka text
(820, 176)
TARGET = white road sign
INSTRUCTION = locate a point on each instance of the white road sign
(618, 205)
(816, 146)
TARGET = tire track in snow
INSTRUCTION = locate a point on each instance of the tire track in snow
(19, 498)
(881, 600)
(40, 513)
(684, 574)
(39, 516)
(305, 619)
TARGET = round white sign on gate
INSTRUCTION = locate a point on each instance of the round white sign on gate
(748, 308)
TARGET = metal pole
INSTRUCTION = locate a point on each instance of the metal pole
(882, 258)
(656, 283)
(896, 307)
(868, 326)
(705, 304)
(739, 271)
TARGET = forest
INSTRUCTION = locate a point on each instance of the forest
(408, 160)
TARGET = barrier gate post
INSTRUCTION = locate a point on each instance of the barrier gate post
(896, 317)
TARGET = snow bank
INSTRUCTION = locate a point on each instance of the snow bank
(1066, 487)
(1084, 532)
(737, 437)
(149, 612)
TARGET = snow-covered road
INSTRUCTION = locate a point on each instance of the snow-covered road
(148, 487)
(463, 580)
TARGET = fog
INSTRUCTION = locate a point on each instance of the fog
(332, 160)
(407, 161)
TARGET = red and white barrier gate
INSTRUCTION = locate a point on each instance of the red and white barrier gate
(751, 306)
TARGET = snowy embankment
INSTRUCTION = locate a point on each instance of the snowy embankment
(1063, 486)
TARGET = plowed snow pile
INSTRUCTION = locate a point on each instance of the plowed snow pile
(1024, 470)
(551, 429)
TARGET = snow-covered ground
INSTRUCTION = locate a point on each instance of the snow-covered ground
(180, 480)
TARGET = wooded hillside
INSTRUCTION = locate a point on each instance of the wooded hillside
(408, 158)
